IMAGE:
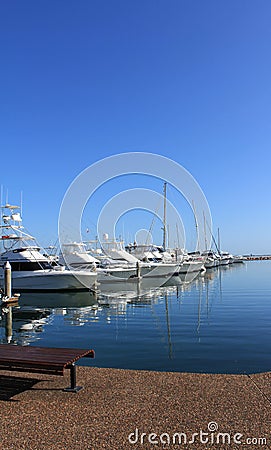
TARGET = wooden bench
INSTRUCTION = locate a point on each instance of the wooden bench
(46, 360)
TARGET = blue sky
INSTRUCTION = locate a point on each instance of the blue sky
(189, 80)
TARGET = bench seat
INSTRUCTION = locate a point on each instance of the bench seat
(47, 360)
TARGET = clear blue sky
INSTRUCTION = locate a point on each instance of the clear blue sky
(189, 80)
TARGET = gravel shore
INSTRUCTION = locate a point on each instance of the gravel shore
(115, 404)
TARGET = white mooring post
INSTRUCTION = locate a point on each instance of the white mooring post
(8, 298)
(7, 280)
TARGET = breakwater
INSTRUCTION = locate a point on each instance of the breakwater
(257, 257)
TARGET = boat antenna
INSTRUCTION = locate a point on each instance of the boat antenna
(218, 240)
(21, 203)
(196, 224)
(165, 218)
(1, 195)
(205, 237)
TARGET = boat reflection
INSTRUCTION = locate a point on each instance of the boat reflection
(22, 325)
(37, 310)
(58, 299)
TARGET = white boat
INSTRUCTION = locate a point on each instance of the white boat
(228, 256)
(31, 269)
(225, 258)
(191, 266)
(76, 256)
(210, 259)
(209, 263)
(213, 259)
(238, 259)
(189, 262)
(155, 262)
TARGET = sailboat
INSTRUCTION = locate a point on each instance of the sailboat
(155, 260)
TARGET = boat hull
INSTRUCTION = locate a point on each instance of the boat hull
(158, 270)
(224, 261)
(51, 280)
(115, 275)
(191, 266)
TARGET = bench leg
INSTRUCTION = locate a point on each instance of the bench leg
(73, 387)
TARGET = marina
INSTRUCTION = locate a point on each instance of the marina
(146, 307)
(135, 252)
(79, 266)
(217, 322)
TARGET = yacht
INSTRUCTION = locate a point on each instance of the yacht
(229, 256)
(192, 264)
(33, 270)
(211, 259)
(189, 262)
(76, 256)
(155, 262)
(225, 258)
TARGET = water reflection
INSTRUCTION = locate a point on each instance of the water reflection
(22, 325)
(38, 310)
(184, 324)
(58, 299)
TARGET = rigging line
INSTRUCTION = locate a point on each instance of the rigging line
(213, 237)
(153, 220)
(31, 250)
(196, 224)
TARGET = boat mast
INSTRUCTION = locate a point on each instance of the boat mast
(196, 225)
(218, 241)
(205, 236)
(164, 219)
(178, 237)
(21, 208)
(213, 238)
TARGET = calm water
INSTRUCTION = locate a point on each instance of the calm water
(219, 322)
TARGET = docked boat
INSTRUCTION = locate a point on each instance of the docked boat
(238, 259)
(211, 259)
(189, 262)
(191, 265)
(225, 258)
(76, 256)
(155, 262)
(33, 270)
